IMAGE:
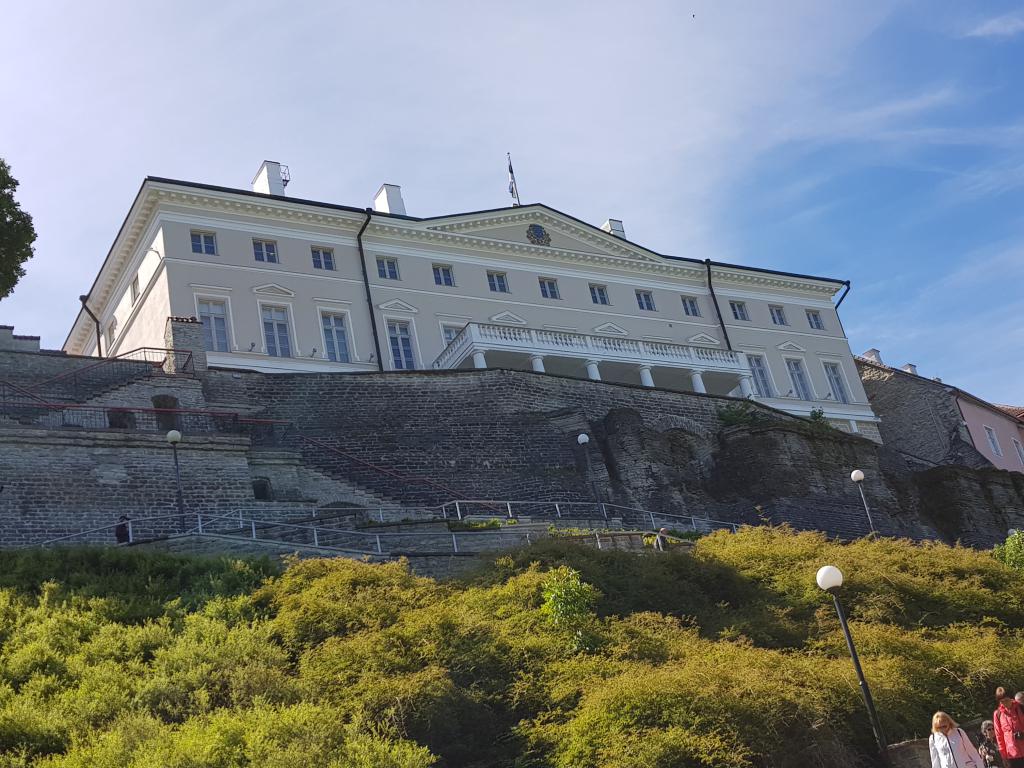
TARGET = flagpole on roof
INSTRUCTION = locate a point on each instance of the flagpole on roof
(513, 188)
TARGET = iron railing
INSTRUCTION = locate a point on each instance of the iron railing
(350, 542)
(108, 372)
(43, 415)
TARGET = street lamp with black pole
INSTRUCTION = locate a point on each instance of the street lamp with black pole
(858, 478)
(174, 437)
(582, 440)
(830, 579)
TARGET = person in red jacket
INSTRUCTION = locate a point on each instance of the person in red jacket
(1008, 720)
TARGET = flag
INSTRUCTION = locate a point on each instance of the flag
(512, 188)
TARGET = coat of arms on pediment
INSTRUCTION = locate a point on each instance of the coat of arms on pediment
(537, 235)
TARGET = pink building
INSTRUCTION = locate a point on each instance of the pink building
(997, 434)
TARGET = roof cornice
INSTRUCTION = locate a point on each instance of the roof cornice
(455, 230)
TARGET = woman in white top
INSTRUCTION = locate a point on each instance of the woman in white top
(949, 745)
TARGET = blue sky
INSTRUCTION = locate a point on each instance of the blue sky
(881, 142)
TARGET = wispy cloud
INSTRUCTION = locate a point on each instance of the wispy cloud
(1009, 25)
(983, 182)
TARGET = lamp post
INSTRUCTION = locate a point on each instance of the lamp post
(830, 579)
(174, 437)
(858, 478)
(582, 440)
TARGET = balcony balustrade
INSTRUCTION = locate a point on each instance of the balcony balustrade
(503, 338)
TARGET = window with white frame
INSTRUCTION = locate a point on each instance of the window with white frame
(497, 282)
(400, 337)
(778, 314)
(759, 371)
(836, 382)
(1020, 450)
(265, 250)
(549, 288)
(993, 441)
(599, 294)
(449, 332)
(814, 320)
(798, 375)
(275, 331)
(214, 317)
(111, 333)
(387, 269)
(444, 275)
(205, 243)
(135, 289)
(335, 336)
(323, 258)
(690, 306)
(645, 300)
(739, 310)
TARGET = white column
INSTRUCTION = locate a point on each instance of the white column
(745, 389)
(479, 360)
(537, 363)
(698, 381)
(593, 371)
(645, 376)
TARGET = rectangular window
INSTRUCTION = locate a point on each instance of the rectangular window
(214, 317)
(690, 308)
(275, 332)
(1020, 451)
(497, 282)
(549, 288)
(645, 300)
(836, 383)
(135, 289)
(204, 242)
(444, 275)
(739, 310)
(599, 294)
(762, 381)
(797, 374)
(449, 332)
(778, 315)
(323, 258)
(993, 441)
(814, 320)
(387, 269)
(401, 345)
(265, 250)
(335, 338)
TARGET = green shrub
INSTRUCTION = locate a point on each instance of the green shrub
(1011, 551)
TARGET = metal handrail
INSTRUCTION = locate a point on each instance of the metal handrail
(123, 357)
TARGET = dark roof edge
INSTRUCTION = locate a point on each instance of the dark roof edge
(337, 207)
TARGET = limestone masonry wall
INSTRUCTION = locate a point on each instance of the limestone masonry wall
(421, 438)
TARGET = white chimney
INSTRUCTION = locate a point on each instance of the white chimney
(389, 199)
(910, 368)
(614, 227)
(874, 356)
(270, 180)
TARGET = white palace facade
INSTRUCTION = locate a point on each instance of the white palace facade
(288, 285)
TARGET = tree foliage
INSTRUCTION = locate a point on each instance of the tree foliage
(16, 233)
(555, 656)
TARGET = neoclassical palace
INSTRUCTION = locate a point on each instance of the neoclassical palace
(289, 285)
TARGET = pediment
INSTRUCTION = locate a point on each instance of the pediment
(539, 228)
(507, 318)
(397, 305)
(703, 338)
(272, 289)
(789, 346)
(612, 329)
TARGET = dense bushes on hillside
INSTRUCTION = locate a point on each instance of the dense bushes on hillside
(555, 656)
